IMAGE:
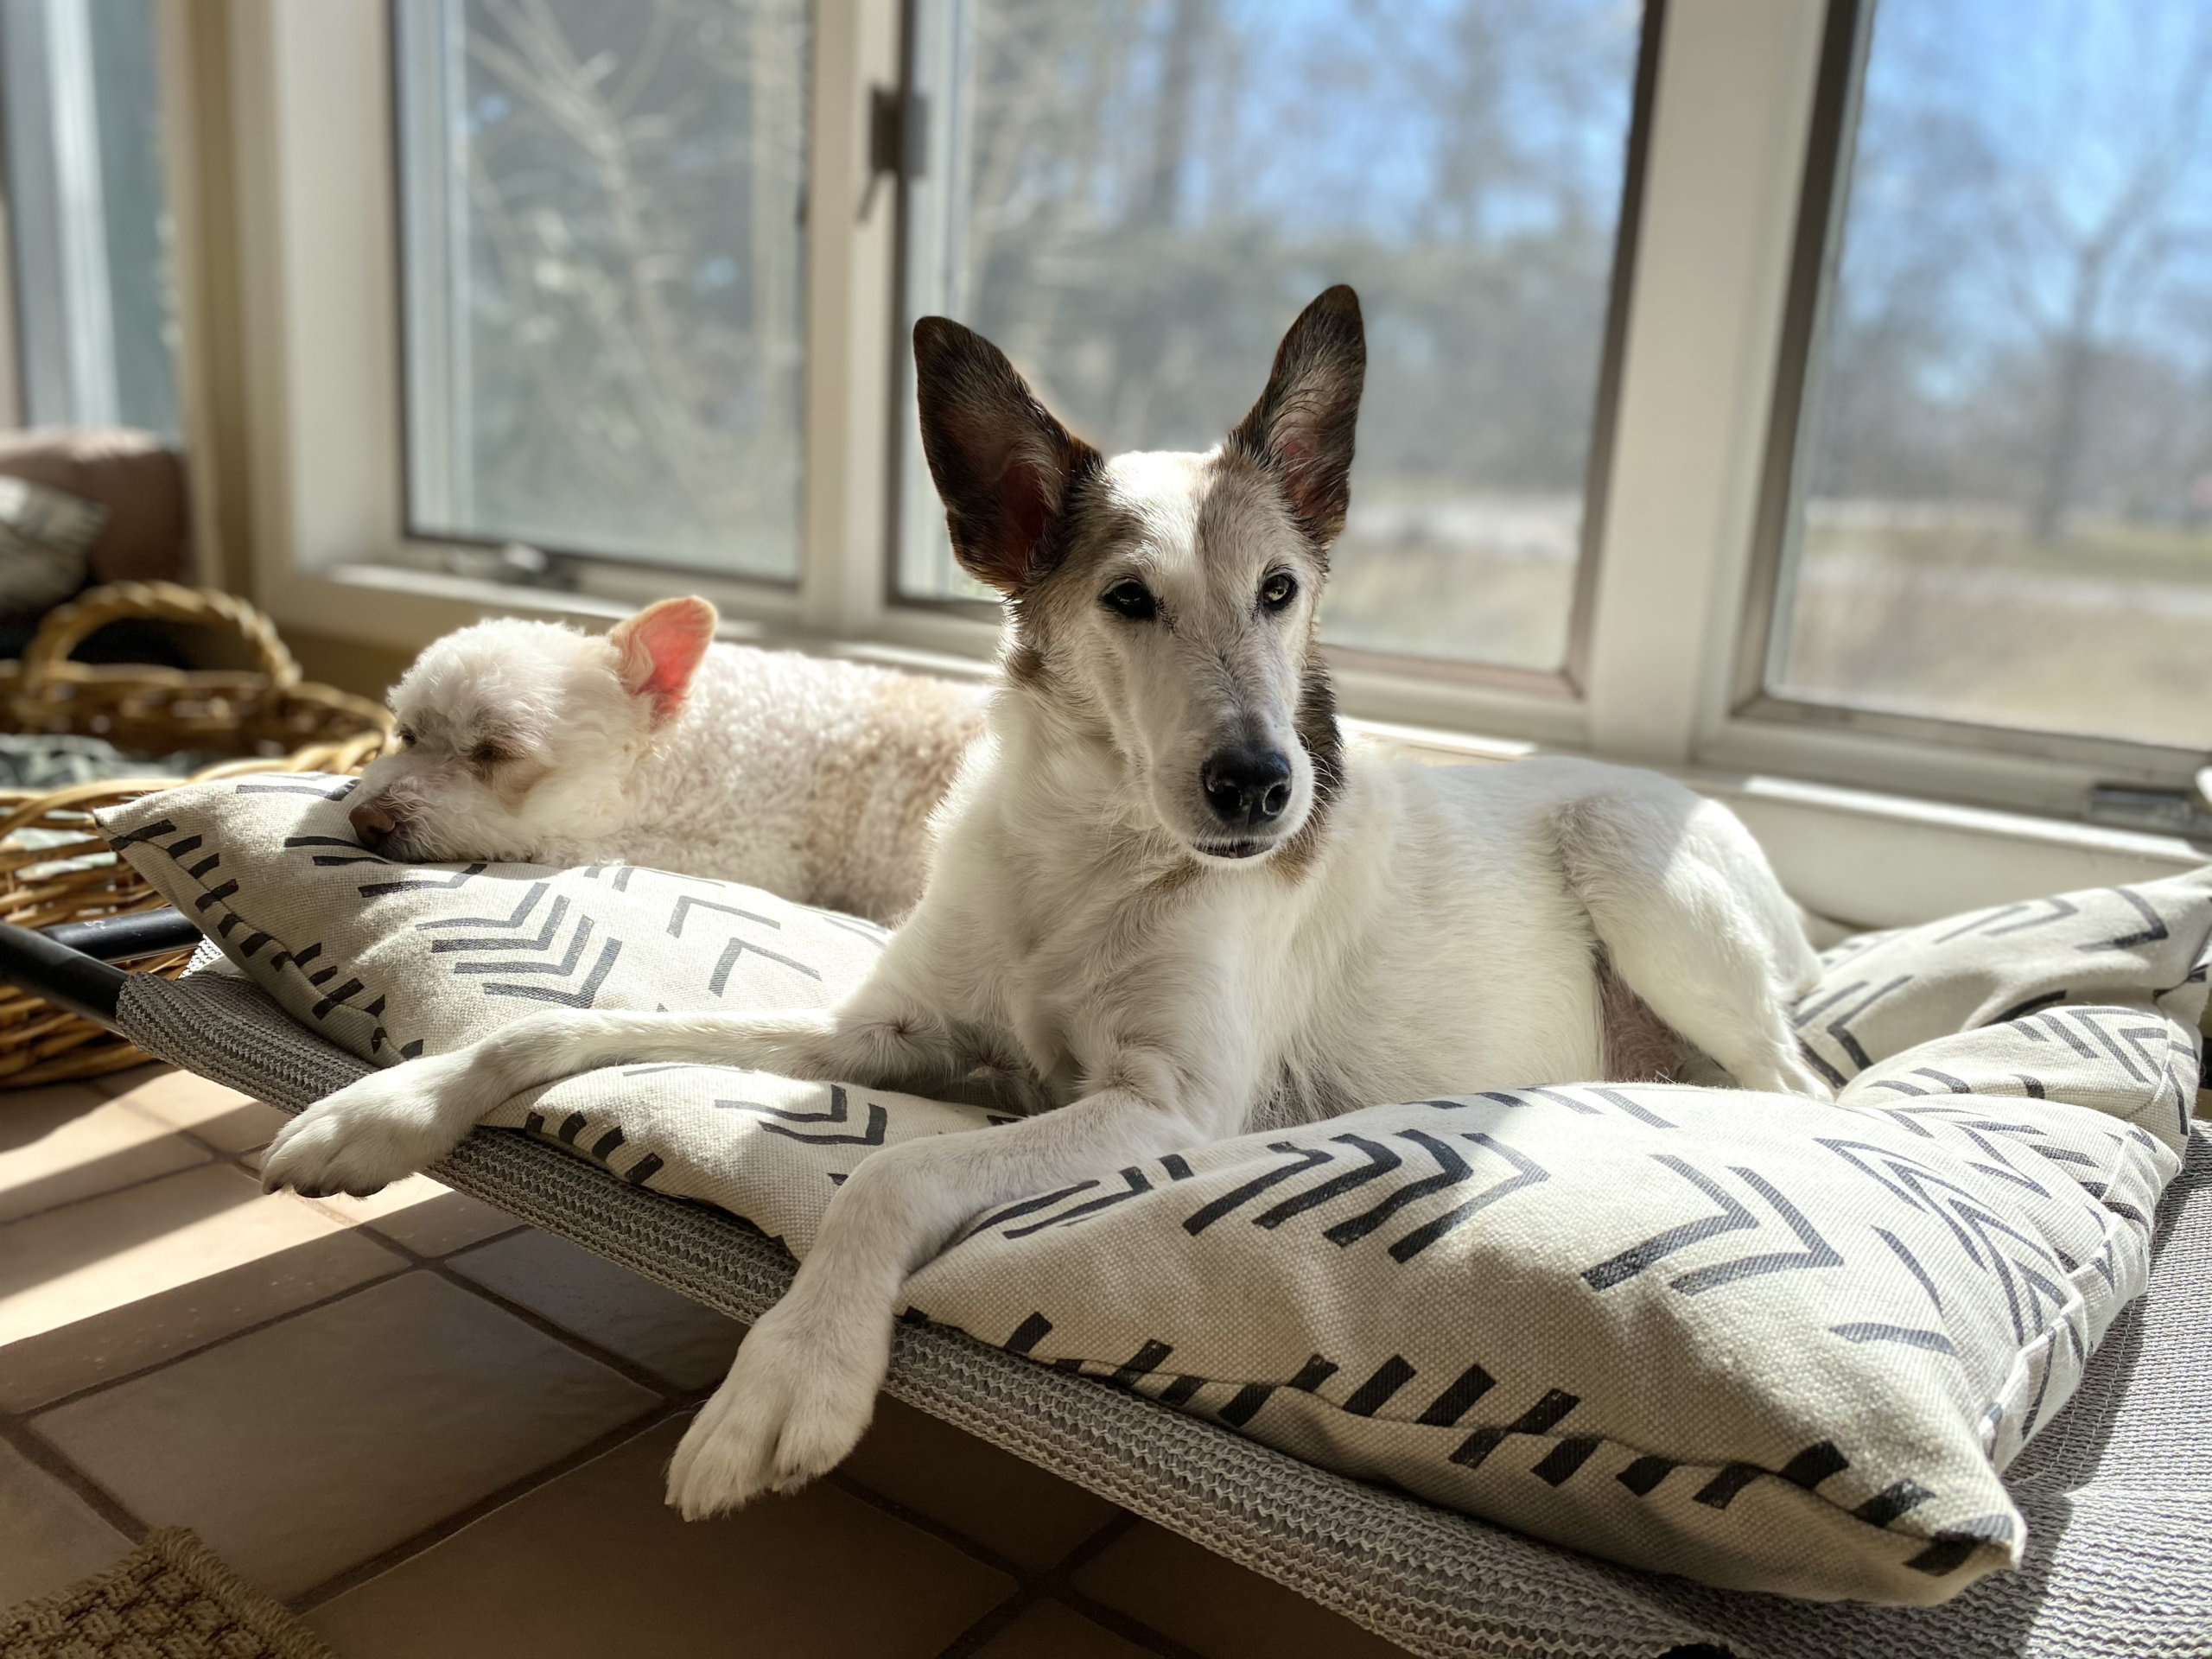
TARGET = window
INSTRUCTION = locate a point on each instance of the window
(602, 288)
(88, 217)
(1997, 506)
(1620, 462)
(1133, 198)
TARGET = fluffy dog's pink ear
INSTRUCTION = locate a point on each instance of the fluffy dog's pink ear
(659, 650)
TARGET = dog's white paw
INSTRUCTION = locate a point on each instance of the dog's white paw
(370, 1134)
(796, 1400)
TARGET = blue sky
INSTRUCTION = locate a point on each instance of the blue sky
(2012, 126)
(2050, 114)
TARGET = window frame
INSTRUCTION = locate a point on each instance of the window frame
(1566, 682)
(660, 571)
(2073, 762)
(296, 444)
(11, 386)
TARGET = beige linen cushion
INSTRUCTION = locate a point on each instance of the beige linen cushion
(1770, 1342)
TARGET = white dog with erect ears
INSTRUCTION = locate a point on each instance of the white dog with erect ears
(1170, 903)
(535, 743)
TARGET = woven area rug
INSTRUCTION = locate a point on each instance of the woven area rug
(168, 1599)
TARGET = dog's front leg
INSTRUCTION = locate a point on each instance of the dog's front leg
(803, 1386)
(393, 1122)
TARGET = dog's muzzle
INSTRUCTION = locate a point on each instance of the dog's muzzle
(374, 823)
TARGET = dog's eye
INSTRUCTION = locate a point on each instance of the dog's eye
(487, 755)
(406, 736)
(1131, 599)
(1278, 590)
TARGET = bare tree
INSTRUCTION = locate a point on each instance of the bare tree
(2012, 264)
(2107, 257)
(632, 310)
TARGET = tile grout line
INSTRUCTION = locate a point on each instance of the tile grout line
(398, 1270)
(668, 1401)
(1055, 1583)
(103, 1503)
(214, 1157)
(322, 1206)
(621, 1364)
(438, 1531)
(671, 1402)
(1032, 1585)
(1120, 1623)
(409, 1261)
(15, 1427)
(973, 1547)
(111, 1082)
(398, 1555)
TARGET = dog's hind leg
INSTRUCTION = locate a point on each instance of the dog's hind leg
(1693, 921)
(803, 1386)
(392, 1122)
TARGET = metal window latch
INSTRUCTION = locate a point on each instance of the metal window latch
(894, 139)
(2186, 812)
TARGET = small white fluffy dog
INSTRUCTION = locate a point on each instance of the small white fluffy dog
(534, 742)
(1169, 905)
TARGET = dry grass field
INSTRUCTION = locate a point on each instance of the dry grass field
(1955, 612)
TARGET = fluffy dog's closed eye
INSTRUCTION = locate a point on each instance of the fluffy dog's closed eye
(534, 742)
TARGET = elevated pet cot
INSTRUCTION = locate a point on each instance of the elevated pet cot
(2115, 1489)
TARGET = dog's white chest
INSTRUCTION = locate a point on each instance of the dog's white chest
(1071, 987)
(1434, 947)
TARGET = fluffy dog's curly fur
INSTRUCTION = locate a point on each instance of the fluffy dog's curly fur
(536, 742)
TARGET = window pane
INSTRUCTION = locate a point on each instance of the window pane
(602, 297)
(1134, 197)
(2005, 476)
(95, 313)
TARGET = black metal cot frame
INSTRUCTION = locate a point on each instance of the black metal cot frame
(71, 964)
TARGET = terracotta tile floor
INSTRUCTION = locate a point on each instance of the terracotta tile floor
(433, 1430)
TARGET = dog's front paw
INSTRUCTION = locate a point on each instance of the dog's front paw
(795, 1402)
(368, 1134)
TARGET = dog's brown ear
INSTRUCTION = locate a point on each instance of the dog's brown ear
(1002, 464)
(1303, 426)
(659, 650)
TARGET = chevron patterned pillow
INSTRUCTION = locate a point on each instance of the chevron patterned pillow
(1767, 1342)
(390, 960)
(2090, 997)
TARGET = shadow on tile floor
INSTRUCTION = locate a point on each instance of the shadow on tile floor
(435, 1431)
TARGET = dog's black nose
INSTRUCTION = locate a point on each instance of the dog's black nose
(1247, 787)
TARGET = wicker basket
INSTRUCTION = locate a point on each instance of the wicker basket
(268, 716)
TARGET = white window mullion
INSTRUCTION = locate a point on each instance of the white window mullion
(1727, 141)
(851, 224)
(311, 135)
